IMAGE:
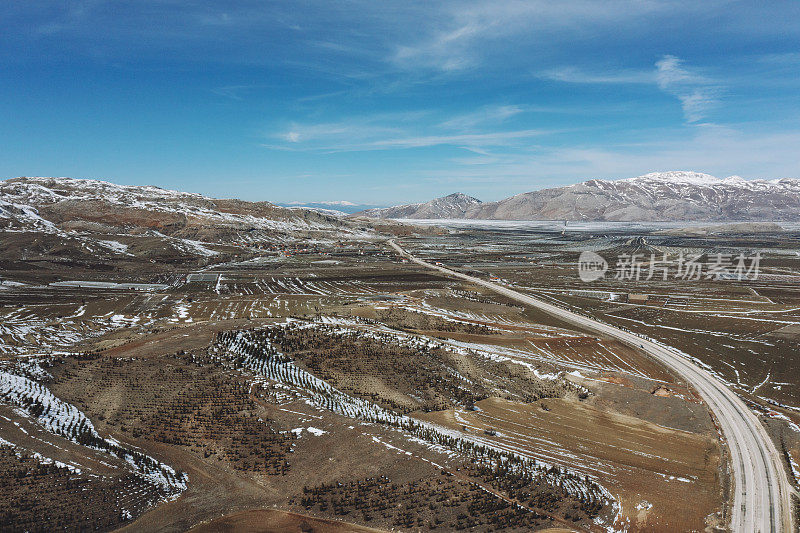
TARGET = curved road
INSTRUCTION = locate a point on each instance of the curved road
(761, 491)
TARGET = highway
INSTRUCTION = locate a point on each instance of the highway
(760, 486)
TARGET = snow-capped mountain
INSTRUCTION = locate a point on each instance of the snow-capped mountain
(658, 196)
(454, 205)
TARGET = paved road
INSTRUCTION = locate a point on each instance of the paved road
(762, 493)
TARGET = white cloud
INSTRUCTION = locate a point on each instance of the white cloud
(352, 131)
(414, 129)
(292, 136)
(697, 102)
(462, 33)
(347, 140)
(696, 93)
(574, 75)
(483, 116)
(501, 138)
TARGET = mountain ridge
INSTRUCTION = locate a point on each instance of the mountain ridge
(92, 220)
(453, 205)
(654, 197)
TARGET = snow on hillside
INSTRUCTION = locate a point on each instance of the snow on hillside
(690, 178)
(16, 216)
(66, 420)
(44, 190)
(697, 179)
(251, 350)
(658, 196)
(452, 206)
(40, 191)
(88, 216)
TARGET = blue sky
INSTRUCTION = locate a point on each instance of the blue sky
(380, 102)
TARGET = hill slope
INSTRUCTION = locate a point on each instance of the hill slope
(89, 219)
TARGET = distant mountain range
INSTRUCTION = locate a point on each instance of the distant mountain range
(456, 205)
(654, 197)
(335, 208)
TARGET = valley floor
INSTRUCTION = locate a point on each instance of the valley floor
(339, 393)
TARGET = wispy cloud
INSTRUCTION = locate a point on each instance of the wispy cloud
(486, 115)
(235, 92)
(353, 140)
(463, 34)
(353, 131)
(446, 50)
(697, 93)
(575, 75)
(500, 138)
(474, 131)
